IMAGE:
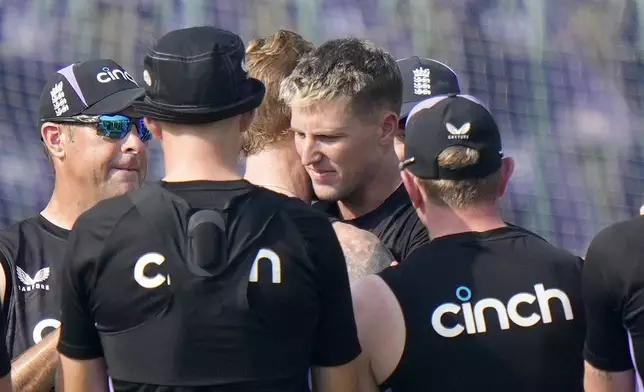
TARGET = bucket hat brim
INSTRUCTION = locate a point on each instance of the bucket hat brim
(189, 114)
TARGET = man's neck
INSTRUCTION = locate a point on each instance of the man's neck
(278, 169)
(191, 159)
(66, 204)
(374, 192)
(441, 222)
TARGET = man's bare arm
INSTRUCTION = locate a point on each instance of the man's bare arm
(342, 378)
(58, 378)
(596, 380)
(35, 369)
(83, 375)
(366, 378)
(364, 252)
(5, 384)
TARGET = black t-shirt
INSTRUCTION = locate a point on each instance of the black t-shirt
(395, 222)
(494, 311)
(5, 365)
(614, 297)
(250, 309)
(30, 250)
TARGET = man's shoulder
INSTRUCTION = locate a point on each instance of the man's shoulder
(618, 247)
(293, 207)
(623, 233)
(18, 226)
(539, 244)
(105, 212)
(10, 237)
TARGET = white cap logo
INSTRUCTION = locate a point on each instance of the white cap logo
(147, 78)
(107, 75)
(458, 133)
(243, 65)
(422, 81)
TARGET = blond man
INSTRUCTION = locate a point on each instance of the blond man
(271, 158)
(345, 97)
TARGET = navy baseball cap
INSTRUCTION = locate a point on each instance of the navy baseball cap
(91, 87)
(424, 78)
(445, 121)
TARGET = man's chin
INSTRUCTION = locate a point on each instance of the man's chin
(122, 186)
(326, 192)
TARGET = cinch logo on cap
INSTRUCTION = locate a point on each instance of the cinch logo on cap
(115, 74)
(474, 314)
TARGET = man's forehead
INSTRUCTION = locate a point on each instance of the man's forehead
(316, 106)
(321, 114)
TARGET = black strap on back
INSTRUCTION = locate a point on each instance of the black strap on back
(246, 219)
(229, 233)
(164, 209)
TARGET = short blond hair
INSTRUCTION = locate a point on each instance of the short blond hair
(271, 60)
(461, 194)
(347, 68)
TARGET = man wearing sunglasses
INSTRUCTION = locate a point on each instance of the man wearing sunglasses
(204, 281)
(97, 147)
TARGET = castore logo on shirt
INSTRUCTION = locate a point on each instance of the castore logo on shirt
(35, 283)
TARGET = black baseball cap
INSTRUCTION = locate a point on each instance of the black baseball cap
(91, 87)
(451, 120)
(198, 75)
(424, 78)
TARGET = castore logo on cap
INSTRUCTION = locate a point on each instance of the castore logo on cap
(109, 75)
(458, 133)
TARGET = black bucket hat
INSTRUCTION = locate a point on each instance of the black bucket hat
(198, 75)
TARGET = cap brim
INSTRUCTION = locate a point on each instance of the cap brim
(407, 107)
(116, 102)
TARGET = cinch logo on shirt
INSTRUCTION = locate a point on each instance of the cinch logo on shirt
(474, 315)
(35, 283)
(151, 282)
(42, 326)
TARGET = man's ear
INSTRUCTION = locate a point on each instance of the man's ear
(54, 138)
(389, 128)
(412, 189)
(154, 127)
(507, 168)
(245, 120)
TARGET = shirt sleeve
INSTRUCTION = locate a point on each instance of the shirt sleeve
(8, 294)
(79, 338)
(336, 342)
(604, 286)
(418, 237)
(5, 364)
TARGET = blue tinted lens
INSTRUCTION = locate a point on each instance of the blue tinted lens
(118, 126)
(144, 133)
